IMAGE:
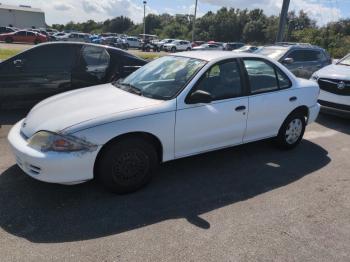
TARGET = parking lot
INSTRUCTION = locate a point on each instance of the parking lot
(249, 203)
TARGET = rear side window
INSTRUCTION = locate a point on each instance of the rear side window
(305, 55)
(264, 77)
(51, 57)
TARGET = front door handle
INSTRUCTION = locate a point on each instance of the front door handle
(293, 98)
(240, 108)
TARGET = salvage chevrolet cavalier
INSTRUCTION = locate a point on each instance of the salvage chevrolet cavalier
(176, 106)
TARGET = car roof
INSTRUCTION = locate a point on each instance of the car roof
(289, 46)
(215, 55)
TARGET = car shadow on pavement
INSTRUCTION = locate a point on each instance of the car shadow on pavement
(185, 188)
(340, 124)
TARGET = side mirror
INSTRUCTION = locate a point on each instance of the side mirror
(288, 61)
(199, 96)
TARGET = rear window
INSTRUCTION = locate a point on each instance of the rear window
(272, 52)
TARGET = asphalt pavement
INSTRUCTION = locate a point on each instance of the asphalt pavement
(248, 203)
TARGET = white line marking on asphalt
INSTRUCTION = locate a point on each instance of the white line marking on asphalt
(311, 135)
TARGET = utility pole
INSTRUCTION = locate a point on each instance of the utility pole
(194, 20)
(283, 20)
(144, 19)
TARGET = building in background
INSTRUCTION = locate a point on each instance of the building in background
(21, 16)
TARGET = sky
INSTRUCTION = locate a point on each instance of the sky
(63, 11)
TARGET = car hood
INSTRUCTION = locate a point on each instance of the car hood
(335, 71)
(72, 108)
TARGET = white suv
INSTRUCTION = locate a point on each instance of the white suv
(178, 45)
(75, 37)
(334, 82)
(133, 42)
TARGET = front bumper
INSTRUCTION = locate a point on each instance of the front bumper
(52, 167)
(334, 104)
(313, 113)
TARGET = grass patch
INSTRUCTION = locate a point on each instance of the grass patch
(7, 53)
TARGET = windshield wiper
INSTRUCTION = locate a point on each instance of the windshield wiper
(130, 88)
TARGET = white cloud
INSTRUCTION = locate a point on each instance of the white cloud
(315, 9)
(61, 6)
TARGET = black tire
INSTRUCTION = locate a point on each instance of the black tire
(126, 165)
(148, 49)
(291, 132)
(127, 47)
(173, 49)
(36, 41)
(8, 40)
(188, 49)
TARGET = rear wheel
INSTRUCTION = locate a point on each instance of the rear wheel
(126, 165)
(292, 131)
(148, 49)
(36, 41)
(188, 49)
(173, 49)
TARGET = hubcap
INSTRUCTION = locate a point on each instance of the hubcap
(294, 130)
(130, 167)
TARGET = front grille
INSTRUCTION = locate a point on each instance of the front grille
(332, 86)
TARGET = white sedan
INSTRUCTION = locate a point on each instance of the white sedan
(334, 82)
(176, 106)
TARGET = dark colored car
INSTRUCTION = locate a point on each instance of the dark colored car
(301, 59)
(23, 36)
(52, 68)
(5, 29)
(233, 46)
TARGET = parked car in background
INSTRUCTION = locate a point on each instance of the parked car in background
(55, 67)
(197, 43)
(160, 44)
(233, 46)
(178, 45)
(301, 59)
(132, 42)
(51, 31)
(334, 82)
(175, 106)
(74, 37)
(6, 29)
(247, 49)
(23, 36)
(115, 42)
(207, 47)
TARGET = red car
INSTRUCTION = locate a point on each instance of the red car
(24, 37)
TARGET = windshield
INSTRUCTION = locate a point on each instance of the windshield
(274, 53)
(345, 61)
(162, 78)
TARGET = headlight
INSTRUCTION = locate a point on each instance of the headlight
(49, 141)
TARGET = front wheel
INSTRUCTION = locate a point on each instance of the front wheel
(291, 132)
(173, 49)
(8, 40)
(126, 165)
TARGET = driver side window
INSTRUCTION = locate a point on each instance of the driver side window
(222, 81)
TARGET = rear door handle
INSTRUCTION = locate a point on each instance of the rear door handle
(240, 108)
(293, 98)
